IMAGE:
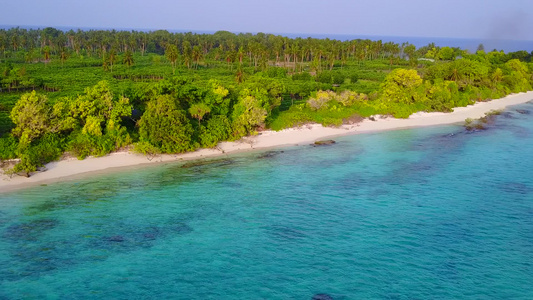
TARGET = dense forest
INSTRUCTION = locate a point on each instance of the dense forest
(94, 92)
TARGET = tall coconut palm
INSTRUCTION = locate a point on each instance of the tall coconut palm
(197, 55)
(111, 58)
(199, 110)
(128, 58)
(63, 55)
(187, 53)
(172, 54)
(46, 54)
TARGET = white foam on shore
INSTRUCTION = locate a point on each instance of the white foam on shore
(66, 169)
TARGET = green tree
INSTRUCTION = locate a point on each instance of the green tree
(240, 75)
(217, 98)
(128, 58)
(517, 76)
(63, 55)
(111, 58)
(187, 53)
(34, 155)
(400, 86)
(441, 96)
(171, 53)
(98, 106)
(36, 126)
(97, 116)
(165, 126)
(497, 76)
(46, 55)
(249, 112)
(218, 129)
(446, 53)
(197, 55)
(199, 110)
(432, 53)
(31, 116)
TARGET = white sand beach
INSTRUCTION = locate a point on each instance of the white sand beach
(68, 168)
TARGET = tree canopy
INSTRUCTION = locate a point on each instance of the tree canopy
(94, 92)
(165, 126)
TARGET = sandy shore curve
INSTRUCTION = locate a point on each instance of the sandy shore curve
(69, 168)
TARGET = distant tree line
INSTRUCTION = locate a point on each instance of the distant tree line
(259, 49)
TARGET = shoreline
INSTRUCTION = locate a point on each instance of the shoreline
(73, 168)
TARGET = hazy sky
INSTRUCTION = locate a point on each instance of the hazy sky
(511, 19)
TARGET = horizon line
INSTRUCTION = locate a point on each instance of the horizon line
(65, 28)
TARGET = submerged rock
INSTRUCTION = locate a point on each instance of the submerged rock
(523, 111)
(324, 142)
(515, 188)
(269, 154)
(181, 228)
(322, 297)
(508, 115)
(151, 234)
(286, 233)
(116, 238)
(208, 162)
(29, 231)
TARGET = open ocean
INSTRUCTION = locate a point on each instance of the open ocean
(426, 213)
(469, 44)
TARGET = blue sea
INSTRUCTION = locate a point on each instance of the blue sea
(426, 213)
(470, 44)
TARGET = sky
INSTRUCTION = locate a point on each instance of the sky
(481, 19)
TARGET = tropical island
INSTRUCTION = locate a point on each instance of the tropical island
(91, 93)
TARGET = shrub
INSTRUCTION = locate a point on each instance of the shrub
(146, 149)
(320, 100)
(46, 149)
(304, 76)
(8, 147)
(295, 116)
(218, 129)
(166, 126)
(276, 72)
(348, 98)
(338, 78)
(324, 77)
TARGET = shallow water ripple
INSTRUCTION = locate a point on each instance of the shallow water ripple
(433, 213)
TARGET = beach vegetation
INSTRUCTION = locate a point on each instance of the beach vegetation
(95, 92)
(165, 126)
(481, 123)
(8, 147)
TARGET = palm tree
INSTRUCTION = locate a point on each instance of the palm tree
(128, 58)
(15, 42)
(111, 58)
(46, 54)
(239, 76)
(142, 38)
(63, 55)
(187, 53)
(199, 110)
(197, 55)
(29, 56)
(172, 55)
(230, 55)
(278, 47)
(240, 53)
(3, 41)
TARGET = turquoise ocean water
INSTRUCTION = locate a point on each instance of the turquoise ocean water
(429, 213)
